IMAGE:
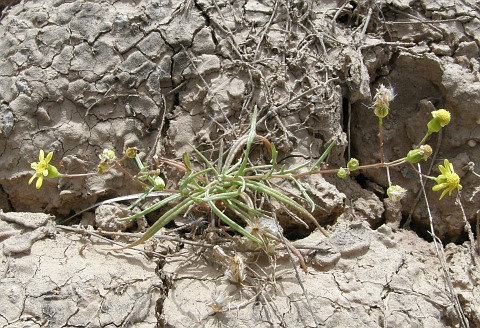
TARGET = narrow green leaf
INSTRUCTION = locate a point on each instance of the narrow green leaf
(228, 171)
(139, 163)
(215, 197)
(251, 138)
(247, 208)
(322, 158)
(247, 217)
(274, 155)
(292, 170)
(273, 161)
(142, 197)
(205, 160)
(191, 178)
(143, 169)
(155, 207)
(220, 157)
(305, 194)
(163, 221)
(283, 199)
(233, 224)
(186, 161)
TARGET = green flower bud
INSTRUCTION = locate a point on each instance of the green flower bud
(159, 183)
(416, 155)
(396, 193)
(131, 152)
(52, 172)
(342, 173)
(380, 111)
(353, 164)
(434, 125)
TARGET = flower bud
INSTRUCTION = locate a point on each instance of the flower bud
(52, 171)
(159, 183)
(396, 193)
(380, 111)
(353, 164)
(434, 125)
(131, 152)
(416, 155)
(342, 173)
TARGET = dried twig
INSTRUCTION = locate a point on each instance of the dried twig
(468, 229)
(419, 194)
(441, 257)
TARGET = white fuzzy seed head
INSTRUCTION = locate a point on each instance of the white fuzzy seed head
(384, 94)
(236, 270)
(218, 303)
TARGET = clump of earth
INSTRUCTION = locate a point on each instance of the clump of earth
(78, 77)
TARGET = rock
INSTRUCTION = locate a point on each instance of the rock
(28, 220)
(441, 49)
(468, 49)
(107, 217)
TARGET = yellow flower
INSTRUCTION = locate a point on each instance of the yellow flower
(442, 115)
(43, 169)
(441, 118)
(448, 180)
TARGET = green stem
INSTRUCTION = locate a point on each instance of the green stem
(424, 139)
(380, 137)
(76, 175)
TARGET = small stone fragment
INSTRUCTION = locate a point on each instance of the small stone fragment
(107, 217)
(26, 219)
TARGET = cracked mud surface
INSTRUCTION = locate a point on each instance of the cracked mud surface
(52, 279)
(377, 279)
(80, 76)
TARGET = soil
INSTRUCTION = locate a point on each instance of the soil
(80, 76)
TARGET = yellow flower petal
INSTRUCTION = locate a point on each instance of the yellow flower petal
(444, 193)
(443, 169)
(49, 157)
(439, 186)
(39, 182)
